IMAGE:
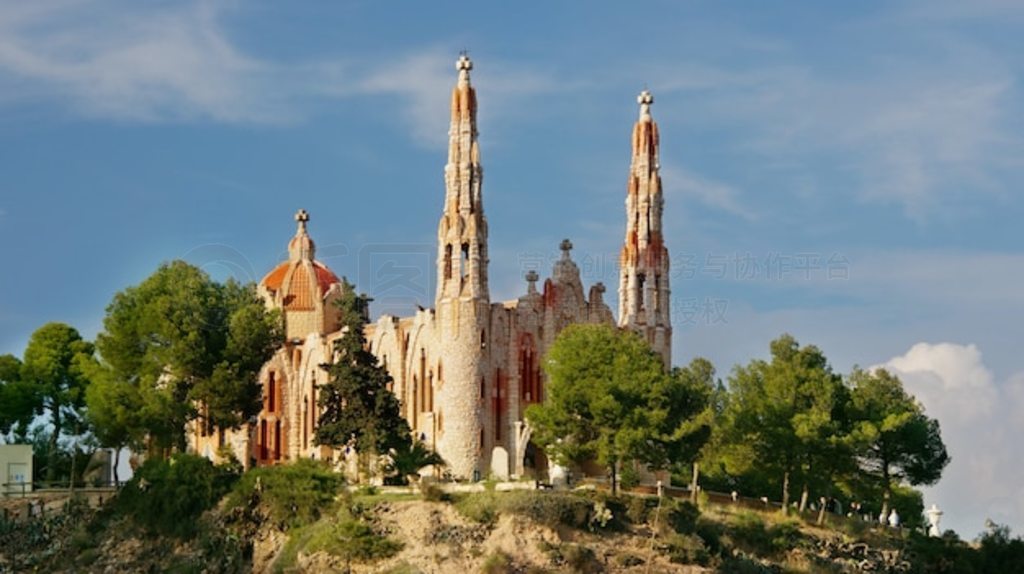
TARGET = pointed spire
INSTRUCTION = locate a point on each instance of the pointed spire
(301, 246)
(644, 263)
(462, 231)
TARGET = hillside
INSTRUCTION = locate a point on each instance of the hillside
(261, 527)
(186, 515)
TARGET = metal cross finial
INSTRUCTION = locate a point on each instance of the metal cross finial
(464, 63)
(302, 216)
(645, 99)
(565, 245)
(531, 278)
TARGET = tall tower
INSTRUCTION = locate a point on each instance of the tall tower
(644, 303)
(462, 233)
(463, 301)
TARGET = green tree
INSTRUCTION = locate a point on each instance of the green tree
(698, 406)
(18, 402)
(358, 409)
(114, 412)
(609, 399)
(177, 342)
(781, 422)
(407, 462)
(54, 370)
(896, 442)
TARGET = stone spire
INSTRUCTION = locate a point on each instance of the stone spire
(301, 246)
(463, 307)
(644, 303)
(462, 232)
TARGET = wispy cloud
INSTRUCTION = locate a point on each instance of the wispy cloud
(158, 63)
(178, 62)
(919, 134)
(715, 194)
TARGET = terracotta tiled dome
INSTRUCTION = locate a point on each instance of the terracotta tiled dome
(300, 294)
(302, 279)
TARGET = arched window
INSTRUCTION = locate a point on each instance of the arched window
(277, 440)
(529, 379)
(305, 422)
(640, 278)
(499, 403)
(263, 440)
(448, 261)
(272, 392)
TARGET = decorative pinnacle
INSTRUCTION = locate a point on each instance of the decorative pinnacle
(302, 216)
(645, 99)
(531, 279)
(464, 65)
(565, 246)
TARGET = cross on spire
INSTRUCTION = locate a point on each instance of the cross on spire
(645, 99)
(565, 246)
(302, 217)
(531, 278)
(463, 65)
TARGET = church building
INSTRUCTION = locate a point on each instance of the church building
(466, 370)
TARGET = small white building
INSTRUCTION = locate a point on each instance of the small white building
(15, 469)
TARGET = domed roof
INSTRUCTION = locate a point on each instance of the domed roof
(299, 282)
(324, 276)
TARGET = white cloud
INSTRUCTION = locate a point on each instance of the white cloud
(981, 420)
(716, 194)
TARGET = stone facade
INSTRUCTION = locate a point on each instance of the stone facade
(466, 370)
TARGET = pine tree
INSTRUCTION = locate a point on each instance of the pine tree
(358, 409)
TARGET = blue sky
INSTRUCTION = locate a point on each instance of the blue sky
(847, 172)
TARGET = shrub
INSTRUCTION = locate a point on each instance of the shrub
(682, 516)
(482, 507)
(750, 531)
(686, 549)
(343, 536)
(638, 508)
(628, 560)
(497, 563)
(434, 493)
(353, 540)
(711, 533)
(575, 557)
(294, 494)
(548, 508)
(629, 476)
(168, 496)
